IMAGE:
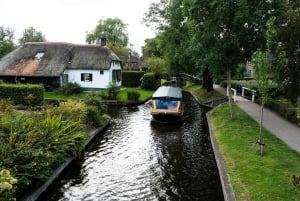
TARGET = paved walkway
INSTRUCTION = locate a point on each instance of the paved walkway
(283, 129)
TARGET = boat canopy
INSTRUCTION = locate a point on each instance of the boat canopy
(167, 93)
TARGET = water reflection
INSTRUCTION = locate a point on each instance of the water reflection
(138, 159)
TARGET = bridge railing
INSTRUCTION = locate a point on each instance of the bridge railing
(184, 76)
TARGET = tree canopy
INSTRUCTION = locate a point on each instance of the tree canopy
(30, 34)
(114, 30)
(218, 36)
(6, 40)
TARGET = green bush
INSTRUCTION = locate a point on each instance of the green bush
(133, 95)
(94, 112)
(132, 78)
(150, 82)
(34, 144)
(70, 88)
(113, 90)
(284, 108)
(25, 94)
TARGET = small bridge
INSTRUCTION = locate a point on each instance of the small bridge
(181, 76)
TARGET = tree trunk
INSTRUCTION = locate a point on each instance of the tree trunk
(260, 140)
(232, 114)
(207, 80)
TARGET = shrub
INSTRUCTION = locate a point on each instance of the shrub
(150, 82)
(132, 78)
(133, 95)
(70, 88)
(92, 116)
(70, 110)
(284, 108)
(25, 94)
(94, 112)
(113, 90)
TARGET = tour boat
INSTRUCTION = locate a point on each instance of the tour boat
(166, 104)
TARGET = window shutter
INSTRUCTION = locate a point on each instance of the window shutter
(82, 76)
(91, 77)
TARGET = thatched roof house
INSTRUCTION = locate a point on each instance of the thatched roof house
(36, 61)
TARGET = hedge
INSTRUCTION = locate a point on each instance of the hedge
(284, 108)
(150, 82)
(25, 94)
(132, 78)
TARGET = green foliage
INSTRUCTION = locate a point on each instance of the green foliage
(152, 47)
(133, 95)
(6, 41)
(31, 35)
(132, 78)
(95, 110)
(289, 34)
(202, 95)
(284, 108)
(33, 144)
(70, 88)
(156, 65)
(6, 47)
(25, 94)
(113, 90)
(70, 110)
(113, 29)
(150, 82)
(5, 106)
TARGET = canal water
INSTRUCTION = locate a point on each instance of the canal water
(138, 159)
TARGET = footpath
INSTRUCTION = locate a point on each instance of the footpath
(283, 129)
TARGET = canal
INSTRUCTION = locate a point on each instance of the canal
(138, 159)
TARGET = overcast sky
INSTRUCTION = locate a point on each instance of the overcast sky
(69, 20)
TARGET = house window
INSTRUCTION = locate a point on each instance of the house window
(86, 77)
(101, 72)
(39, 55)
(116, 75)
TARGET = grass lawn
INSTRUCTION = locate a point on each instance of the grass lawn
(144, 94)
(202, 95)
(255, 178)
(122, 95)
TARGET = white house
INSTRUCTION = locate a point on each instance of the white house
(54, 64)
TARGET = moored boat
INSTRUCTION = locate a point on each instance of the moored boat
(166, 104)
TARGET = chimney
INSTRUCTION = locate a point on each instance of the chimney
(103, 42)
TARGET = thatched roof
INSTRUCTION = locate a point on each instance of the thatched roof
(56, 57)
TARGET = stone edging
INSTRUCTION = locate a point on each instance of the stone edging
(228, 192)
(32, 196)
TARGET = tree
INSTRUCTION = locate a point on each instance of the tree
(31, 35)
(114, 30)
(289, 36)
(6, 41)
(226, 33)
(152, 47)
(156, 65)
(263, 64)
